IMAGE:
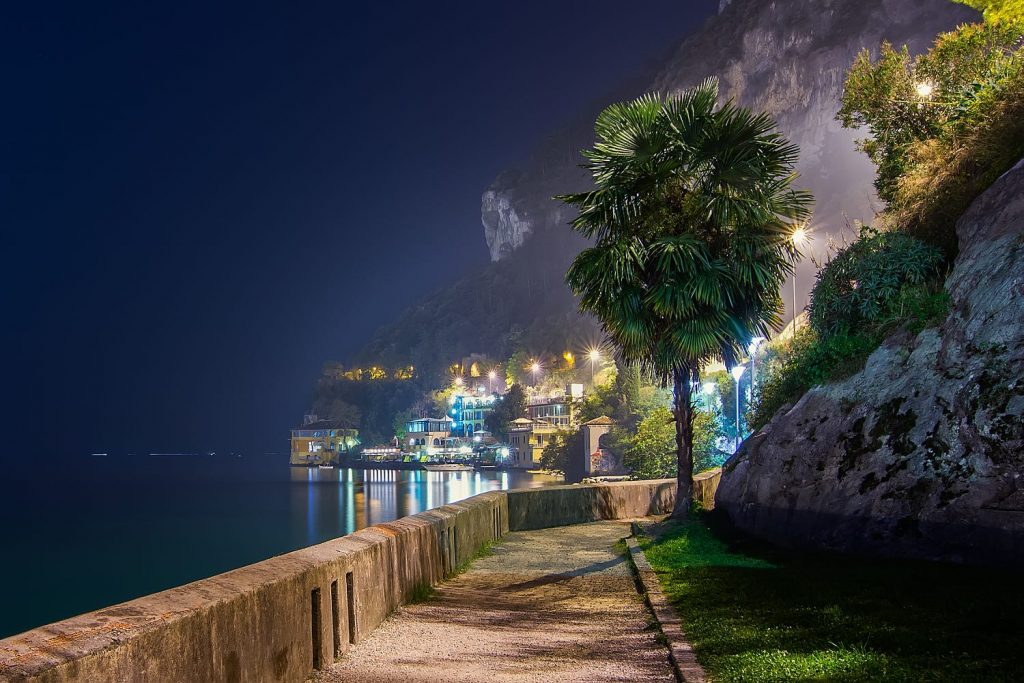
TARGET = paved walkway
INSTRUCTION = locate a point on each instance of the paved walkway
(550, 605)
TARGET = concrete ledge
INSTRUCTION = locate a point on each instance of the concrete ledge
(578, 504)
(276, 620)
(705, 486)
(283, 618)
(680, 652)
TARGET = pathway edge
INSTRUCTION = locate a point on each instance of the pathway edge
(680, 651)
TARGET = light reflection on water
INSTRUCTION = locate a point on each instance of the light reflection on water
(85, 533)
(341, 501)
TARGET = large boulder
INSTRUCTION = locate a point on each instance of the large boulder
(921, 454)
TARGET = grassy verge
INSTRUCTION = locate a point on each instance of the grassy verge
(757, 613)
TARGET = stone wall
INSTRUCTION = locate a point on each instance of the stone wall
(919, 454)
(280, 619)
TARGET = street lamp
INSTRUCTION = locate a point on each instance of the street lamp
(490, 381)
(595, 356)
(458, 381)
(800, 238)
(924, 89)
(535, 368)
(709, 389)
(752, 347)
(737, 372)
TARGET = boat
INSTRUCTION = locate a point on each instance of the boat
(447, 467)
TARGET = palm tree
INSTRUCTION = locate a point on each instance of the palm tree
(691, 219)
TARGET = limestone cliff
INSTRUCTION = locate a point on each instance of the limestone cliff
(786, 58)
(921, 453)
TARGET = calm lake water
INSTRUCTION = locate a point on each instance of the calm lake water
(94, 531)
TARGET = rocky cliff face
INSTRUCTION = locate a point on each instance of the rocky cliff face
(922, 453)
(786, 58)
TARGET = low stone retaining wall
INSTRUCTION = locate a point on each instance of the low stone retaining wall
(280, 619)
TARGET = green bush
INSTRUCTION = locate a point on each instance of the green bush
(882, 282)
(651, 452)
(867, 283)
(943, 126)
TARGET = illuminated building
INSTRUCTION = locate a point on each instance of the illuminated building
(426, 434)
(527, 438)
(320, 442)
(558, 410)
(469, 411)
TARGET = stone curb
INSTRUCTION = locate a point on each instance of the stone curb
(680, 652)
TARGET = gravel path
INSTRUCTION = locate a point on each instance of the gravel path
(549, 605)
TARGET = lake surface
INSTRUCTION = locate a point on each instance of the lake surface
(93, 531)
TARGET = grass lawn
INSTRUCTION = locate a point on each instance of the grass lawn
(758, 613)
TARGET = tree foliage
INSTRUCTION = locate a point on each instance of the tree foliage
(509, 407)
(691, 217)
(942, 125)
(864, 283)
(998, 10)
(650, 452)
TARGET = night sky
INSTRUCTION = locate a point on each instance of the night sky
(200, 205)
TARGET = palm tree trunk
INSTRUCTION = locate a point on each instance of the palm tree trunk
(682, 409)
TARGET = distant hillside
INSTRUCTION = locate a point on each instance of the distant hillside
(786, 58)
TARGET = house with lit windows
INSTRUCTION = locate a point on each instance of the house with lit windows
(559, 409)
(526, 439)
(469, 412)
(321, 442)
(427, 435)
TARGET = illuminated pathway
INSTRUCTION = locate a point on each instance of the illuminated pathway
(549, 605)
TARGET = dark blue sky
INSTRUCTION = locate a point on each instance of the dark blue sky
(202, 204)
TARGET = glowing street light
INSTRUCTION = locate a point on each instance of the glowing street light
(737, 372)
(709, 390)
(595, 356)
(458, 381)
(535, 369)
(924, 89)
(491, 376)
(800, 237)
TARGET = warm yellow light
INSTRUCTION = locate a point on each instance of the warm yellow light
(924, 90)
(800, 236)
(535, 367)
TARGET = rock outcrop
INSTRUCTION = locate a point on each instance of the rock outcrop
(921, 454)
(786, 58)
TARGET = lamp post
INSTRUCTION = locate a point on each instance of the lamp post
(752, 348)
(534, 368)
(490, 381)
(799, 238)
(595, 356)
(709, 389)
(737, 372)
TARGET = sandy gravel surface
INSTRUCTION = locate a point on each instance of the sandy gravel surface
(550, 605)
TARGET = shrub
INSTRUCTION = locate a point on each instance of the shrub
(865, 284)
(651, 452)
(945, 125)
(802, 362)
(881, 282)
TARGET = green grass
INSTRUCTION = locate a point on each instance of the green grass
(758, 613)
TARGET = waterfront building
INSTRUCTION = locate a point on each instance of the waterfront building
(383, 453)
(527, 438)
(597, 459)
(426, 433)
(557, 409)
(469, 411)
(321, 442)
